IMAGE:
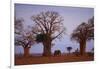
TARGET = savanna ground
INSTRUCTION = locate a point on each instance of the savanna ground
(52, 59)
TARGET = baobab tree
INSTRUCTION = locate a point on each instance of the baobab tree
(84, 32)
(48, 26)
(69, 49)
(22, 37)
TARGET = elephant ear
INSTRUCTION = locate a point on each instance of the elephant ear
(40, 37)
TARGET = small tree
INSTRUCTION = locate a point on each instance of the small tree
(23, 38)
(92, 50)
(69, 49)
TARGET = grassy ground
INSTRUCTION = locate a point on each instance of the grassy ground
(52, 59)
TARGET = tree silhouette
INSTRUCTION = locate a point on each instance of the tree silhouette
(92, 50)
(48, 26)
(84, 32)
(23, 38)
(69, 49)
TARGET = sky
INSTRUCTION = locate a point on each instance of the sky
(73, 16)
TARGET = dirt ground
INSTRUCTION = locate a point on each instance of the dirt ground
(51, 59)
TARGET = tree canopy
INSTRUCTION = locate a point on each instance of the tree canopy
(84, 31)
(49, 22)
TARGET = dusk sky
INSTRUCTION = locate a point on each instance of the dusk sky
(73, 16)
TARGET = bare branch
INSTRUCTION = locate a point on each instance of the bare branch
(58, 35)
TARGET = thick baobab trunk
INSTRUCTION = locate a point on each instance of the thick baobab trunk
(47, 48)
(26, 51)
(82, 47)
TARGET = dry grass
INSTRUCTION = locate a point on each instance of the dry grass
(52, 59)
